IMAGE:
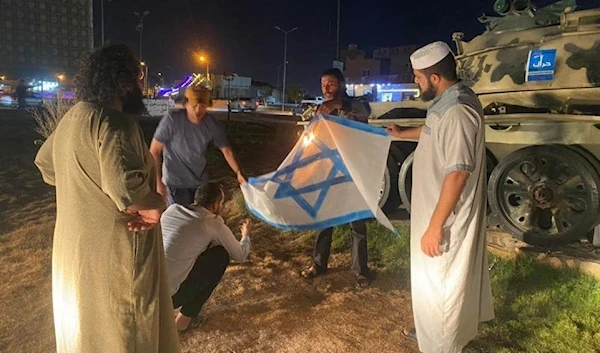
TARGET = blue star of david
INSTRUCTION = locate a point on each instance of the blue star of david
(285, 175)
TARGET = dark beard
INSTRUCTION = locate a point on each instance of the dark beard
(428, 95)
(133, 103)
(431, 92)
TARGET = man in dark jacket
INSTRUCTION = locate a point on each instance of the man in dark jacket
(338, 103)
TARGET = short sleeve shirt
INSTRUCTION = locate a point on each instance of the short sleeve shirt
(184, 159)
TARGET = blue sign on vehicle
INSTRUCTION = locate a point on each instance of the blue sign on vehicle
(540, 65)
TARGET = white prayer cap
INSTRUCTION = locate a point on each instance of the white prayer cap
(429, 55)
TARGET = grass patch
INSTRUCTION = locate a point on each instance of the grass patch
(386, 249)
(542, 309)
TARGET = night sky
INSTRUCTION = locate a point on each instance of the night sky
(239, 36)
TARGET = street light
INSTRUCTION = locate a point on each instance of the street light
(285, 33)
(278, 68)
(205, 60)
(140, 26)
(2, 78)
(60, 77)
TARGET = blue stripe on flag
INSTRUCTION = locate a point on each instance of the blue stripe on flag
(332, 222)
(351, 124)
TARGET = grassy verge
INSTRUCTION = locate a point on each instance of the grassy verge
(541, 309)
(538, 308)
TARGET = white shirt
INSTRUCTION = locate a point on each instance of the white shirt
(188, 232)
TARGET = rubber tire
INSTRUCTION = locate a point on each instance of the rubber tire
(390, 199)
(405, 181)
(531, 238)
(405, 177)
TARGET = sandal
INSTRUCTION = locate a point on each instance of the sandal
(310, 272)
(362, 281)
(411, 334)
(194, 324)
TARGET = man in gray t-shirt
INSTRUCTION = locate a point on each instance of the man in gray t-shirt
(179, 146)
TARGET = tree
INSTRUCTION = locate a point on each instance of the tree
(295, 94)
(267, 91)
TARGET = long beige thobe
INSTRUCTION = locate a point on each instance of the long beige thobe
(109, 287)
(451, 294)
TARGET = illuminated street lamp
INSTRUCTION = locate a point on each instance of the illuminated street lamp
(60, 77)
(203, 59)
(2, 78)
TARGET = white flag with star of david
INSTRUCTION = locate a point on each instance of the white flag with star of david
(331, 177)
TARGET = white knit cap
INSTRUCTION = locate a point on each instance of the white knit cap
(429, 55)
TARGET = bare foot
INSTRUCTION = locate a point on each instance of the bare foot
(182, 322)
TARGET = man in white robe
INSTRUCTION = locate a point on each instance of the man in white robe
(450, 284)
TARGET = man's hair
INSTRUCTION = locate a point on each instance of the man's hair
(208, 194)
(111, 71)
(446, 68)
(204, 92)
(335, 73)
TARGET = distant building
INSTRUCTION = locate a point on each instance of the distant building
(231, 86)
(387, 65)
(44, 39)
(359, 66)
(261, 89)
(399, 59)
(386, 77)
(352, 52)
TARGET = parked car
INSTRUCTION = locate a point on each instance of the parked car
(243, 104)
(33, 99)
(313, 100)
(271, 100)
(301, 108)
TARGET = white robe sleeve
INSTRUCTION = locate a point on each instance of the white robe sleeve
(458, 132)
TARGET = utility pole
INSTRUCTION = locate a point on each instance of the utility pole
(102, 19)
(337, 45)
(140, 27)
(285, 33)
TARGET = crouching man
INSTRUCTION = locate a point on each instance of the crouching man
(198, 247)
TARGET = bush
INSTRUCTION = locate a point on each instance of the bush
(49, 115)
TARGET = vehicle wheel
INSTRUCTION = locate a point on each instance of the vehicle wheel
(405, 181)
(545, 195)
(389, 198)
(405, 177)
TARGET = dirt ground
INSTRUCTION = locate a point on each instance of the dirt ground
(261, 306)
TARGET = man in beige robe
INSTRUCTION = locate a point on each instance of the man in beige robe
(450, 283)
(109, 287)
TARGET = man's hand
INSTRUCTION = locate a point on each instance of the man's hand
(246, 227)
(144, 220)
(394, 130)
(161, 188)
(431, 241)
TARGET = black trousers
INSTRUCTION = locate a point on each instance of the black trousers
(180, 196)
(202, 280)
(359, 248)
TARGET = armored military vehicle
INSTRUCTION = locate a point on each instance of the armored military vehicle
(537, 74)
